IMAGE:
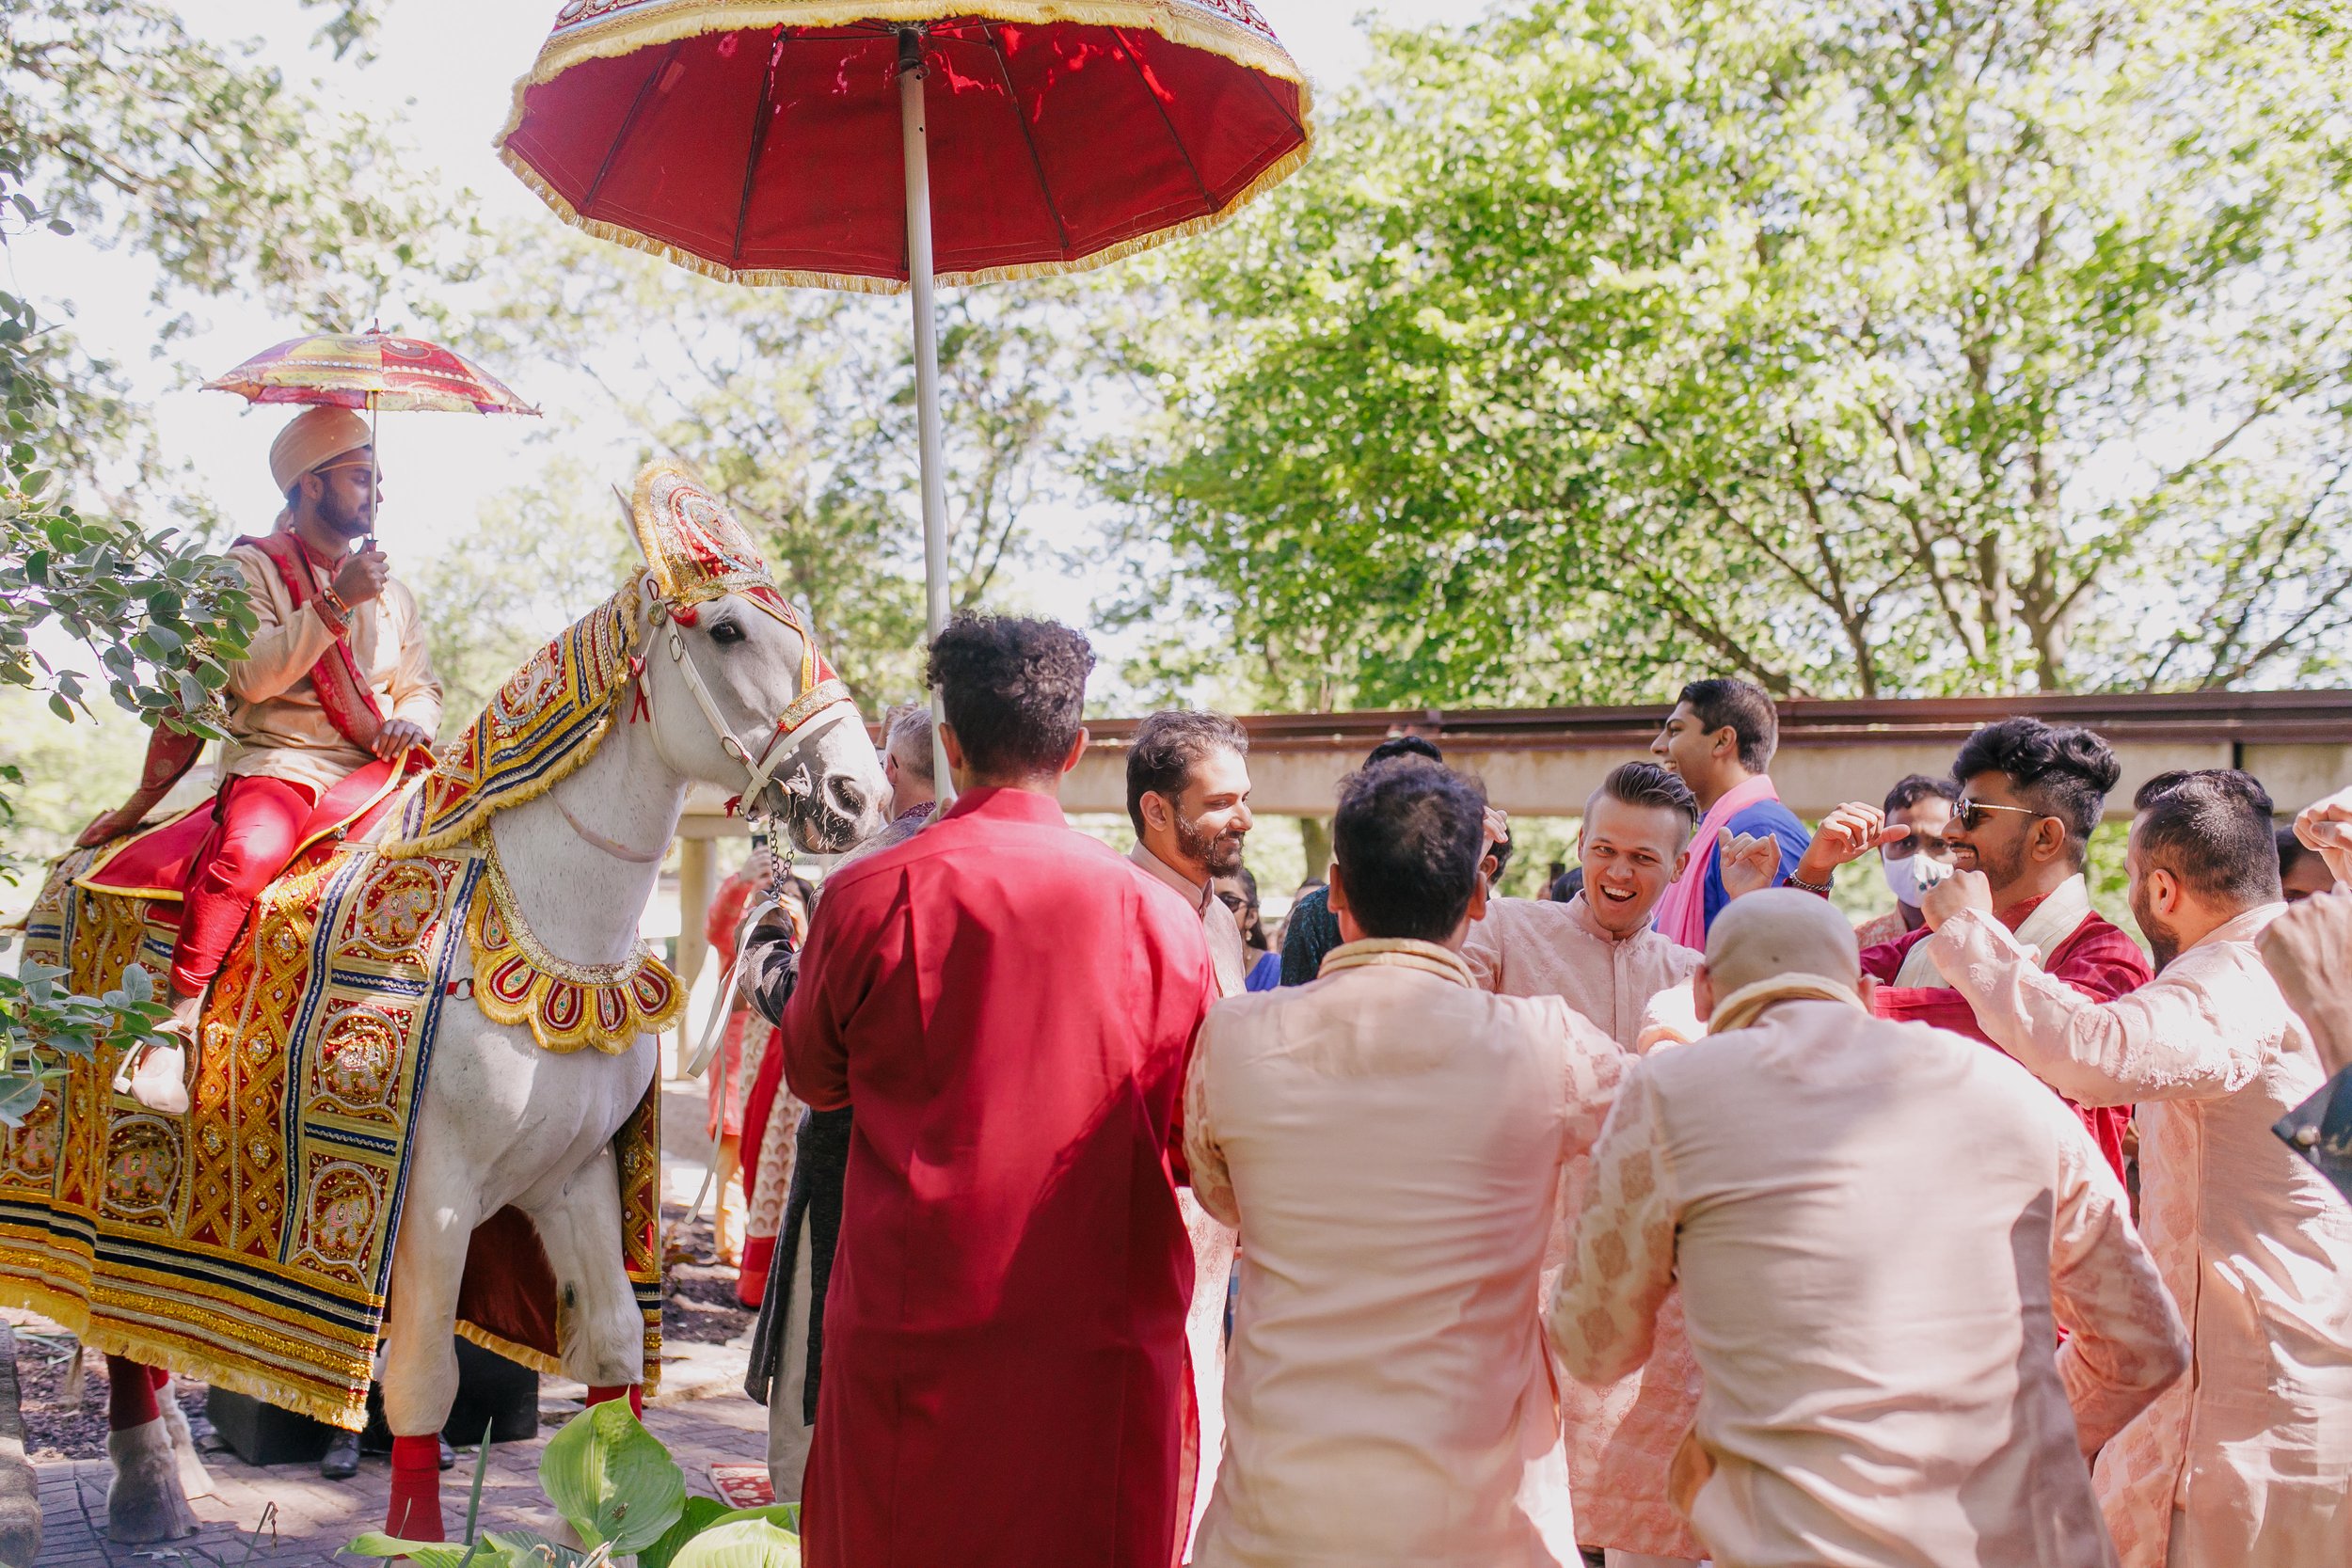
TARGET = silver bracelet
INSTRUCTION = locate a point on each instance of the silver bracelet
(1799, 882)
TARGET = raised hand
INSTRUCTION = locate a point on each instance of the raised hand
(1962, 890)
(1848, 833)
(362, 576)
(1748, 865)
(2325, 825)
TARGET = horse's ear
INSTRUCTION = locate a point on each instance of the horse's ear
(629, 524)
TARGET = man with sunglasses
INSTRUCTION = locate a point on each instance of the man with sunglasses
(334, 676)
(2030, 794)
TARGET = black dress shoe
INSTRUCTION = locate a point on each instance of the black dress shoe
(343, 1458)
(448, 1455)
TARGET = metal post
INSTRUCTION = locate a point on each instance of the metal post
(918, 173)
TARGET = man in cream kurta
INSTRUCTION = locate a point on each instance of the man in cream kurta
(1600, 955)
(1875, 1225)
(2248, 1463)
(1388, 1137)
(1188, 800)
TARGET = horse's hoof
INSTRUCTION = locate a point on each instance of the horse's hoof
(144, 1503)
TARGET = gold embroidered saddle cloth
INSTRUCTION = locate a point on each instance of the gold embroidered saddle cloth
(250, 1242)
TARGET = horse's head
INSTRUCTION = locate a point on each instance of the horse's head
(739, 700)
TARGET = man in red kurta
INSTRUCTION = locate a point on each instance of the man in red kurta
(1010, 1007)
(2030, 794)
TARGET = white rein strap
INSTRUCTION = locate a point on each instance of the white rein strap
(823, 706)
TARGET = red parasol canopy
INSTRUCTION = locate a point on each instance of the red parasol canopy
(370, 369)
(758, 141)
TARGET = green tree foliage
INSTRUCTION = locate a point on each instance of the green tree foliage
(117, 119)
(797, 407)
(1932, 346)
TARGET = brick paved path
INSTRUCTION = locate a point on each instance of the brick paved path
(315, 1518)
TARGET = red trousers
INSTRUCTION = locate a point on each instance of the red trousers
(257, 825)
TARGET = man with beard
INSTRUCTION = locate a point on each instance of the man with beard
(2248, 1463)
(1188, 797)
(334, 674)
(1598, 953)
(2029, 796)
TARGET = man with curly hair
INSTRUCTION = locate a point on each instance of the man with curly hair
(1005, 1372)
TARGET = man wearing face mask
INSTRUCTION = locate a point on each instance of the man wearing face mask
(2029, 796)
(1912, 864)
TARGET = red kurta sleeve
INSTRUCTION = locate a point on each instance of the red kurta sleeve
(835, 968)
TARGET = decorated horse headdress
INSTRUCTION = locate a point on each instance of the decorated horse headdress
(551, 714)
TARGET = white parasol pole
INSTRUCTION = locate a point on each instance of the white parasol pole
(910, 74)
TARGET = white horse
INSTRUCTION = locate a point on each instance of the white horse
(503, 1121)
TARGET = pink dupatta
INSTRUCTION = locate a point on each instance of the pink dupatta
(1682, 911)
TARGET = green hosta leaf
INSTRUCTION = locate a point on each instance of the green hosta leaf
(784, 1515)
(424, 1554)
(699, 1515)
(748, 1544)
(523, 1549)
(612, 1479)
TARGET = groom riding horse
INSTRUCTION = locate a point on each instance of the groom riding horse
(334, 676)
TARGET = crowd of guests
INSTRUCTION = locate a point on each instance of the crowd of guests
(1673, 1220)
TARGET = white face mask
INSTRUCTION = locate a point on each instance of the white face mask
(1910, 877)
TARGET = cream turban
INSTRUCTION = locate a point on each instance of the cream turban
(310, 439)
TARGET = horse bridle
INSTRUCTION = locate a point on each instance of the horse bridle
(822, 704)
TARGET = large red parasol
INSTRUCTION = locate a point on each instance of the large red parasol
(875, 144)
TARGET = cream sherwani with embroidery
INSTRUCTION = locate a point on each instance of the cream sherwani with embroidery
(2247, 1462)
(277, 730)
(1622, 1435)
(1872, 1224)
(1213, 1240)
(1390, 1140)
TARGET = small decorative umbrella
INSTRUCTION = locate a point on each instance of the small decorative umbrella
(373, 370)
(798, 142)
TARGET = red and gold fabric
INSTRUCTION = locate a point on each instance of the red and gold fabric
(250, 1241)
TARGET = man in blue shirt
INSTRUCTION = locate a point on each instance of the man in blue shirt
(1720, 740)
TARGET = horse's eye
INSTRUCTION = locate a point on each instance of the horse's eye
(723, 632)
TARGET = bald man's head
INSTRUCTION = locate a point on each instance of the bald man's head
(1764, 935)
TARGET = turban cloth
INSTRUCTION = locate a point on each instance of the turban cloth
(310, 439)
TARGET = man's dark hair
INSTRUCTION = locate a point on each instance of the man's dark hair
(1406, 836)
(1404, 746)
(1646, 784)
(1743, 709)
(2063, 772)
(1914, 787)
(1013, 688)
(1168, 747)
(2210, 827)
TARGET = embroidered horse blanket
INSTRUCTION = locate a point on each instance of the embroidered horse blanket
(250, 1242)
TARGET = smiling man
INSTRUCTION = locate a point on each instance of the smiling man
(1599, 954)
(2029, 796)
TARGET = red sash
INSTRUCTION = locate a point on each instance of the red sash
(345, 699)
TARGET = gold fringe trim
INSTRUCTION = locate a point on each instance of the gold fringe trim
(113, 1337)
(547, 972)
(1179, 26)
(537, 1360)
(563, 766)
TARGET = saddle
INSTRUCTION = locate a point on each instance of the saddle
(154, 863)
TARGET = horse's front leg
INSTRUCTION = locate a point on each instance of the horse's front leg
(437, 1224)
(598, 1322)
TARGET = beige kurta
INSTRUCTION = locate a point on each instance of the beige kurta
(1391, 1138)
(1872, 1224)
(1621, 1436)
(1213, 1240)
(2247, 1462)
(277, 729)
